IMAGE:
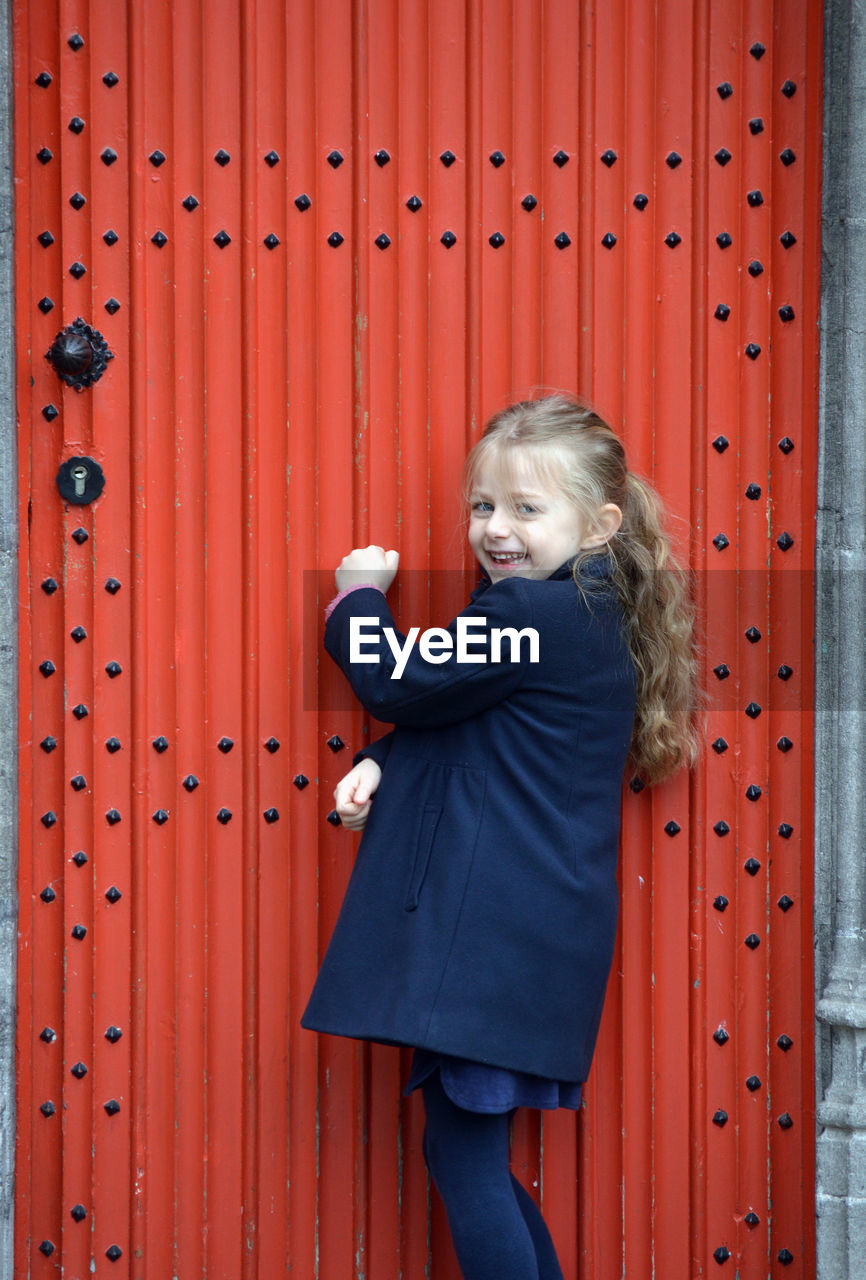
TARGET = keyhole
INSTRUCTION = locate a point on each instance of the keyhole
(79, 475)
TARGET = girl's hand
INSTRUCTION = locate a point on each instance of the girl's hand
(352, 794)
(367, 564)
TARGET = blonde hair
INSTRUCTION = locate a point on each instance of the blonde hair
(572, 449)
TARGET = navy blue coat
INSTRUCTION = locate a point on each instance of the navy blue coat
(480, 915)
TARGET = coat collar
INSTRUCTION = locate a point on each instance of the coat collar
(597, 566)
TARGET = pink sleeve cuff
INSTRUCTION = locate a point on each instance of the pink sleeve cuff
(346, 591)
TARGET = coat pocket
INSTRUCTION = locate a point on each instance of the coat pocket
(430, 815)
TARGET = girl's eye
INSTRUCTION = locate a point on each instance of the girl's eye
(482, 506)
(524, 506)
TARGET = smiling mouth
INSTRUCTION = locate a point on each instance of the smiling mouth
(507, 557)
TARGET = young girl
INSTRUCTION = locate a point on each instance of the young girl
(479, 921)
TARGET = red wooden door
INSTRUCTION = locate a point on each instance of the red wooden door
(322, 242)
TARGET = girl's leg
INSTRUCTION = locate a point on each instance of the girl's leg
(494, 1233)
(548, 1263)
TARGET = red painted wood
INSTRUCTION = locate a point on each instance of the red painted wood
(273, 402)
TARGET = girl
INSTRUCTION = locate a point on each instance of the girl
(479, 921)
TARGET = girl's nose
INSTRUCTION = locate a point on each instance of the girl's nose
(499, 524)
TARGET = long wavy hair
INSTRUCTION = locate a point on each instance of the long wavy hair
(570, 448)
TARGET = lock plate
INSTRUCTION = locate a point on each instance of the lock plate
(80, 480)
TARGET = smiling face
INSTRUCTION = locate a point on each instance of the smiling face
(522, 525)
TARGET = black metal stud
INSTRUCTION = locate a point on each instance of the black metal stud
(110, 237)
(80, 711)
(48, 819)
(755, 199)
(112, 1107)
(110, 79)
(720, 902)
(721, 1036)
(75, 42)
(112, 817)
(755, 268)
(190, 782)
(76, 125)
(48, 744)
(753, 1084)
(785, 1121)
(382, 241)
(335, 239)
(224, 816)
(447, 158)
(725, 89)
(79, 858)
(78, 634)
(751, 1219)
(785, 1043)
(756, 125)
(79, 1070)
(44, 155)
(640, 201)
(784, 744)
(753, 635)
(636, 785)
(114, 1253)
(560, 158)
(271, 241)
(672, 239)
(784, 542)
(225, 745)
(753, 792)
(785, 1256)
(753, 941)
(722, 156)
(45, 239)
(47, 668)
(753, 492)
(497, 159)
(271, 159)
(789, 88)
(78, 783)
(724, 240)
(787, 157)
(108, 156)
(159, 238)
(112, 586)
(722, 311)
(608, 157)
(112, 306)
(271, 815)
(43, 79)
(529, 202)
(48, 895)
(300, 780)
(113, 894)
(112, 745)
(786, 313)
(303, 202)
(562, 241)
(222, 238)
(45, 305)
(720, 1118)
(50, 412)
(753, 710)
(785, 672)
(78, 1212)
(48, 1035)
(79, 932)
(160, 744)
(156, 158)
(671, 828)
(757, 50)
(48, 1109)
(222, 157)
(113, 1034)
(673, 159)
(720, 542)
(785, 830)
(160, 817)
(752, 350)
(413, 204)
(752, 866)
(336, 743)
(448, 239)
(77, 270)
(608, 240)
(189, 203)
(272, 745)
(721, 828)
(47, 1248)
(497, 239)
(721, 1254)
(334, 818)
(722, 671)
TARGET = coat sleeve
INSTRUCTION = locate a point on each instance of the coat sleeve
(377, 750)
(427, 694)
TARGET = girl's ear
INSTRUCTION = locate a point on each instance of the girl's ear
(605, 525)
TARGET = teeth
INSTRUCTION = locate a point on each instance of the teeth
(507, 557)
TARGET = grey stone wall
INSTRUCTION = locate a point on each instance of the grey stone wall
(8, 656)
(840, 648)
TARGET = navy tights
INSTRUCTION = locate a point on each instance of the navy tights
(497, 1229)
